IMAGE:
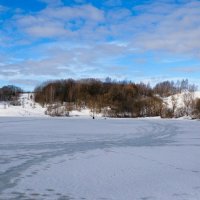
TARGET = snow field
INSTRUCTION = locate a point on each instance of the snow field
(113, 159)
(28, 108)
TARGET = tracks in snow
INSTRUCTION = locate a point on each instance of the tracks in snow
(145, 133)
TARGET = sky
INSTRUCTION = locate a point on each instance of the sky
(139, 40)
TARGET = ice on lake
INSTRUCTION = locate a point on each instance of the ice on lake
(112, 159)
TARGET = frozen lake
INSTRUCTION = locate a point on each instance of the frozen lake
(112, 159)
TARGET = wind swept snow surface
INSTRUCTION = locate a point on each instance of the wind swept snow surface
(113, 159)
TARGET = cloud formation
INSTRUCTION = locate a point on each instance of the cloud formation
(61, 22)
(82, 39)
(53, 2)
(187, 70)
(177, 32)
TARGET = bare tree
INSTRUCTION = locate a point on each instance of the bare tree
(188, 100)
(174, 101)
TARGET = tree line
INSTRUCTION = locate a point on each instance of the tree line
(10, 93)
(112, 98)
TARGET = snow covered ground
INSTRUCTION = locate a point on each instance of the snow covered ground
(28, 108)
(104, 159)
(179, 99)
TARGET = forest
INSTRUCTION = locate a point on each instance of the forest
(10, 93)
(116, 98)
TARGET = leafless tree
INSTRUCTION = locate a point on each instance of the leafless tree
(188, 100)
(174, 101)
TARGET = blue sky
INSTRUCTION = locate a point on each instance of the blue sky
(137, 40)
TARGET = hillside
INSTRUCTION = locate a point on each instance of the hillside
(179, 97)
(29, 108)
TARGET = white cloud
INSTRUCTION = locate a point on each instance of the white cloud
(177, 32)
(80, 1)
(187, 70)
(47, 30)
(153, 26)
(58, 22)
(71, 61)
(113, 3)
(115, 16)
(65, 13)
(27, 82)
(52, 2)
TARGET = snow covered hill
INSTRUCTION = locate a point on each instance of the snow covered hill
(183, 104)
(179, 98)
(28, 108)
